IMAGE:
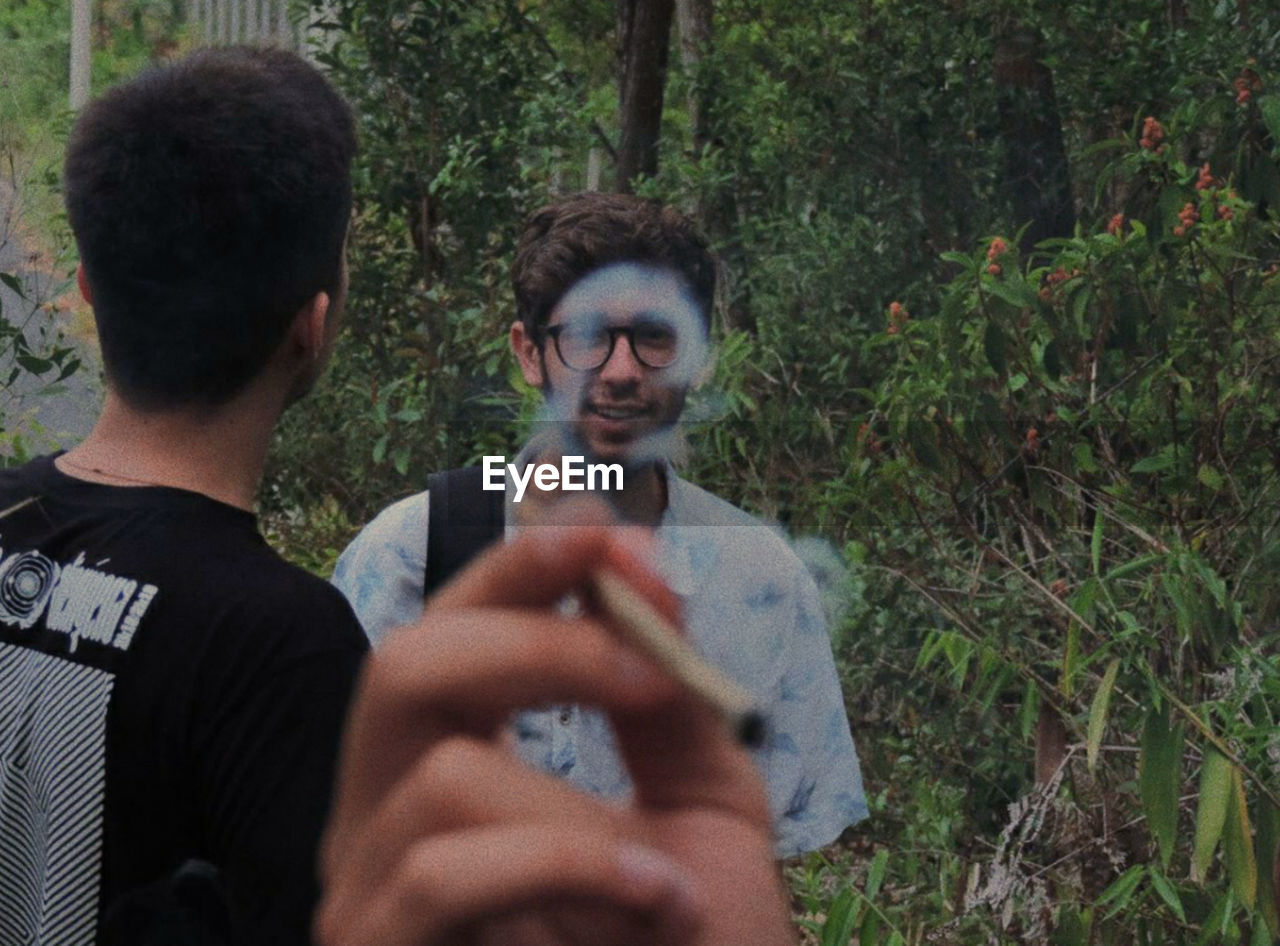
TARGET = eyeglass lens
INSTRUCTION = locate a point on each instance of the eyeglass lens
(586, 347)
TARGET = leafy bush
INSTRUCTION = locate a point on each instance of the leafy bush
(1050, 468)
(1070, 466)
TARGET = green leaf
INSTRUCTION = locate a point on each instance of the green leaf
(1085, 601)
(1160, 778)
(960, 259)
(1013, 290)
(1121, 890)
(921, 438)
(1267, 842)
(1209, 477)
(1070, 929)
(1082, 453)
(870, 928)
(1095, 546)
(1269, 105)
(842, 919)
(1154, 464)
(1261, 935)
(1237, 843)
(69, 368)
(1079, 308)
(876, 872)
(1098, 712)
(13, 283)
(994, 345)
(400, 459)
(1052, 360)
(1211, 810)
(1136, 565)
(1170, 896)
(1029, 711)
(33, 364)
(1215, 926)
(1070, 660)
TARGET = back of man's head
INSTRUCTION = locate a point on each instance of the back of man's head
(209, 200)
(579, 234)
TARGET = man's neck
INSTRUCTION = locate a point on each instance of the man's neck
(218, 453)
(643, 498)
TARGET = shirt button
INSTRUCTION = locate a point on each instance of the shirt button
(565, 716)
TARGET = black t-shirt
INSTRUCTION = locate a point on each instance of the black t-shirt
(170, 689)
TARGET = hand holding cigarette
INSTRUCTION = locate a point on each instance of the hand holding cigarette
(440, 836)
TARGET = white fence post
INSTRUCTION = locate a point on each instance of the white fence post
(255, 22)
(81, 59)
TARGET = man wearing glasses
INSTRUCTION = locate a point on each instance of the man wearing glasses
(613, 300)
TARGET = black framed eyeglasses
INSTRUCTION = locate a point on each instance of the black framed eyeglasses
(654, 343)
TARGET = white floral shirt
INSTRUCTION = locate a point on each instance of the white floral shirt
(750, 607)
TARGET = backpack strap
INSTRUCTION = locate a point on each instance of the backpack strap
(462, 519)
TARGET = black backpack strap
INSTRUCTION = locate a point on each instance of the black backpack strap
(463, 518)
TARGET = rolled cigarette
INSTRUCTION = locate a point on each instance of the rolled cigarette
(654, 634)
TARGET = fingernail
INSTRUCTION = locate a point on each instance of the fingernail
(570, 606)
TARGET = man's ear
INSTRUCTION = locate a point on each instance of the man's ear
(527, 353)
(309, 329)
(83, 282)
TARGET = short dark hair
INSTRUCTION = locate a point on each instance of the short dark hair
(577, 235)
(210, 200)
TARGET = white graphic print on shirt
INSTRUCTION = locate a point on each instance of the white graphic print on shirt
(53, 723)
(83, 603)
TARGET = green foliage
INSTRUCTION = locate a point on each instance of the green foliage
(35, 359)
(1082, 444)
(1052, 469)
(35, 48)
(462, 115)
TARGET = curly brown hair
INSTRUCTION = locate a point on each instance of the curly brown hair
(578, 234)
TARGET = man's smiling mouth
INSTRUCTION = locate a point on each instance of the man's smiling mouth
(613, 412)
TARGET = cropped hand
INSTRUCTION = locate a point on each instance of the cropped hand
(439, 835)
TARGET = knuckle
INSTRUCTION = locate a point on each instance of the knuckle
(450, 768)
(416, 883)
(570, 859)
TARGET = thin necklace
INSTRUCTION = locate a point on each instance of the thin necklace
(84, 467)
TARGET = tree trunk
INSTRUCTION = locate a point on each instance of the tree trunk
(694, 19)
(1037, 181)
(644, 32)
(1051, 743)
(595, 161)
